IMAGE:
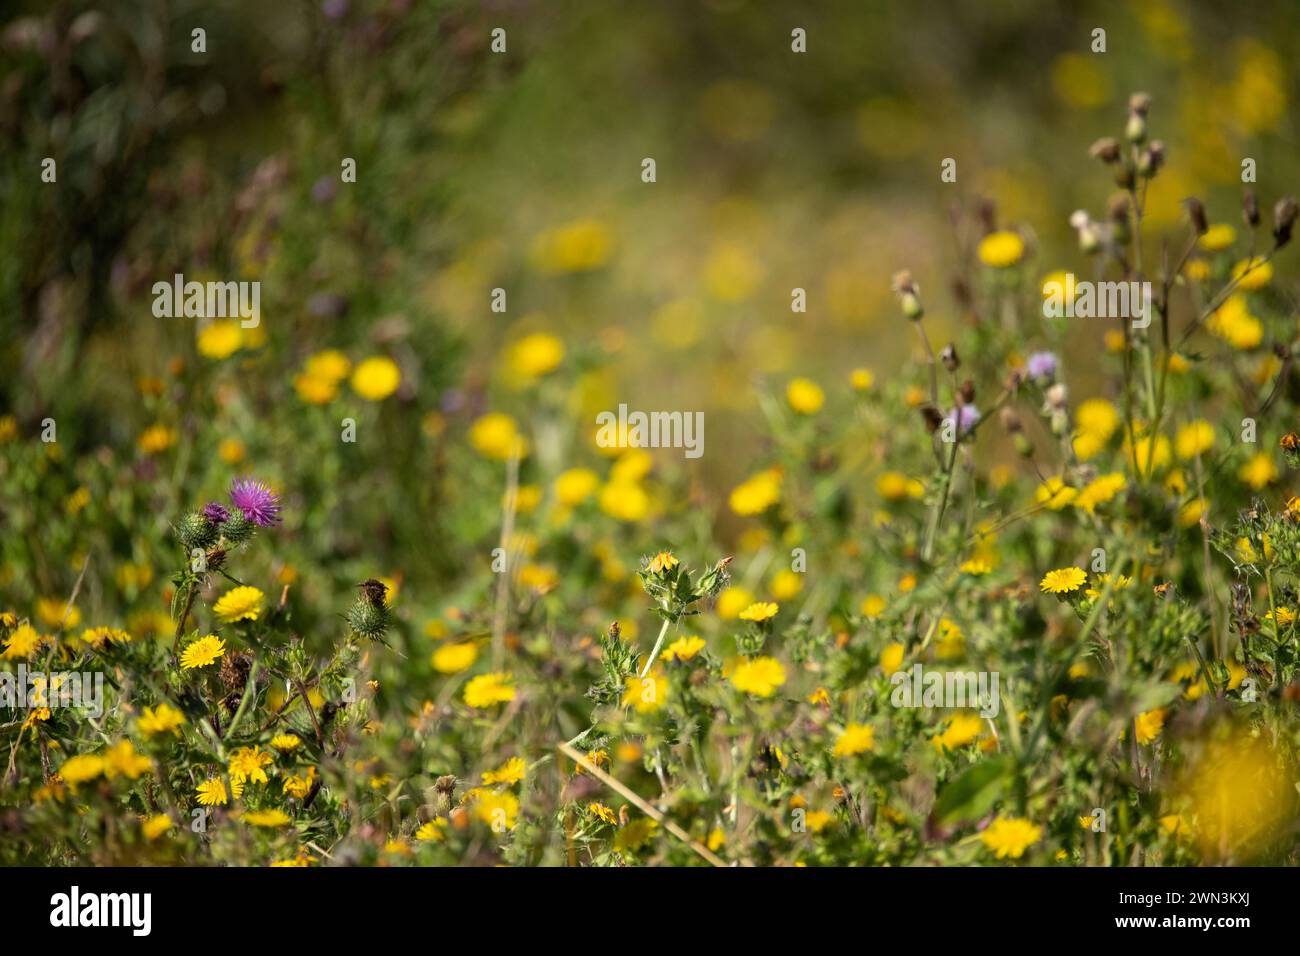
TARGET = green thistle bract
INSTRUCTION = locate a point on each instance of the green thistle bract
(369, 620)
(195, 531)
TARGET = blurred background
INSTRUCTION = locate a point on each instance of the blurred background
(522, 171)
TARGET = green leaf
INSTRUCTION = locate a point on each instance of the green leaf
(973, 793)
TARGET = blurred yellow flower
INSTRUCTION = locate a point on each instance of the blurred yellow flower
(534, 356)
(512, 771)
(575, 486)
(376, 378)
(1253, 274)
(1148, 725)
(81, 768)
(732, 601)
(156, 438)
(856, 739)
(220, 339)
(645, 694)
(575, 247)
(760, 676)
(805, 396)
(1194, 439)
(55, 612)
(454, 658)
(231, 451)
(162, 719)
(1259, 471)
(495, 435)
(22, 643)
(731, 273)
(1001, 249)
(625, 500)
(895, 486)
(485, 690)
(1218, 237)
(1010, 836)
(756, 494)
(786, 585)
(961, 729)
(891, 658)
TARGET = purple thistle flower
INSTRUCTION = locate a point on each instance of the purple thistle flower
(256, 500)
(1041, 365)
(216, 513)
(967, 417)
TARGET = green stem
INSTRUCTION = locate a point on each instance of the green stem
(654, 651)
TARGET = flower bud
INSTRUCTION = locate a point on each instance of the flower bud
(368, 620)
(195, 531)
(1152, 158)
(1196, 214)
(238, 529)
(949, 358)
(908, 295)
(1106, 149)
(1250, 208)
(1011, 421)
(1284, 216)
(1136, 129)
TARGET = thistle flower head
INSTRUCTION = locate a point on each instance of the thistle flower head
(256, 500)
(1042, 365)
(216, 513)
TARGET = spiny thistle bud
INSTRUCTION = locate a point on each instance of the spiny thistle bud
(215, 558)
(1250, 208)
(1284, 216)
(1196, 214)
(195, 531)
(1152, 158)
(238, 529)
(369, 620)
(909, 295)
(443, 788)
(1106, 149)
(711, 583)
(949, 358)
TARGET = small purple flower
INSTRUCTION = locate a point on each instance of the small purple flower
(216, 513)
(1041, 365)
(256, 500)
(967, 417)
